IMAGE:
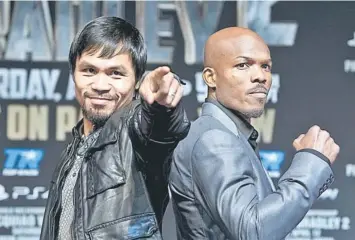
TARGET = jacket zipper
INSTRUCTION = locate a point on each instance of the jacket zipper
(73, 227)
(80, 178)
(62, 174)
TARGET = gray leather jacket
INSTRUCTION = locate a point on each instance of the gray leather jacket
(220, 189)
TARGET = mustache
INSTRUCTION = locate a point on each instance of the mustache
(258, 89)
(99, 96)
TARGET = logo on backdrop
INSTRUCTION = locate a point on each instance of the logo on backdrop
(3, 194)
(272, 161)
(23, 192)
(22, 161)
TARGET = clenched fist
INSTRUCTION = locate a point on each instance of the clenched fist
(318, 140)
(160, 86)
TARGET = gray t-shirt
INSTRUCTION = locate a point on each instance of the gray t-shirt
(67, 204)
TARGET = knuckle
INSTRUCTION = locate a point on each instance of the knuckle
(176, 83)
(326, 133)
(168, 77)
(315, 127)
(312, 131)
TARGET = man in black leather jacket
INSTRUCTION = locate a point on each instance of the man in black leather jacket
(111, 180)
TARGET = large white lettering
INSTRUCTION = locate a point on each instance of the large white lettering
(198, 20)
(274, 34)
(19, 83)
(4, 24)
(154, 29)
(66, 118)
(27, 123)
(31, 32)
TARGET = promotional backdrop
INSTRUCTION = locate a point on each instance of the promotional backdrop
(313, 52)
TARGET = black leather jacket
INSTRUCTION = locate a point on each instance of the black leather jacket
(121, 191)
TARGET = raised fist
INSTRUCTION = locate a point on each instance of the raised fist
(319, 140)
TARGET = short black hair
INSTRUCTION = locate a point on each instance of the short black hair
(108, 34)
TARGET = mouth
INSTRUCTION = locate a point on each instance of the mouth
(259, 94)
(99, 101)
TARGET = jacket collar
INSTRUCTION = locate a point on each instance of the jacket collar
(108, 133)
(241, 123)
(231, 119)
(77, 130)
(106, 169)
(210, 109)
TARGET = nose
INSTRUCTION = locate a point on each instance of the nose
(259, 75)
(101, 83)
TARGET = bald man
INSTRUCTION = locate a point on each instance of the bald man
(220, 189)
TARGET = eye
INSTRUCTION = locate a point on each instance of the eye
(90, 71)
(117, 73)
(242, 66)
(267, 67)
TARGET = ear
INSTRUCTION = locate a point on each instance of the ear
(209, 76)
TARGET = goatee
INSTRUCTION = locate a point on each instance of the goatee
(97, 119)
(254, 113)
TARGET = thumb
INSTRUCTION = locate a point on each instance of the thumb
(297, 142)
(148, 96)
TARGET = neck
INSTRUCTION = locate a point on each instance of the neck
(88, 127)
(212, 95)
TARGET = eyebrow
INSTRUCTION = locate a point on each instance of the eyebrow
(251, 59)
(118, 67)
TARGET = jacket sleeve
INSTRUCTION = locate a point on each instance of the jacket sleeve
(223, 175)
(156, 130)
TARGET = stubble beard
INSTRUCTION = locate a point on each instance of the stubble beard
(256, 113)
(95, 116)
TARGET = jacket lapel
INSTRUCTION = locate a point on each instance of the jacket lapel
(209, 109)
(105, 167)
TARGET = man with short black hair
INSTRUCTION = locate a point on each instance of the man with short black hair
(111, 181)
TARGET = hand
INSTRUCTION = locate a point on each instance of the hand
(160, 86)
(318, 140)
